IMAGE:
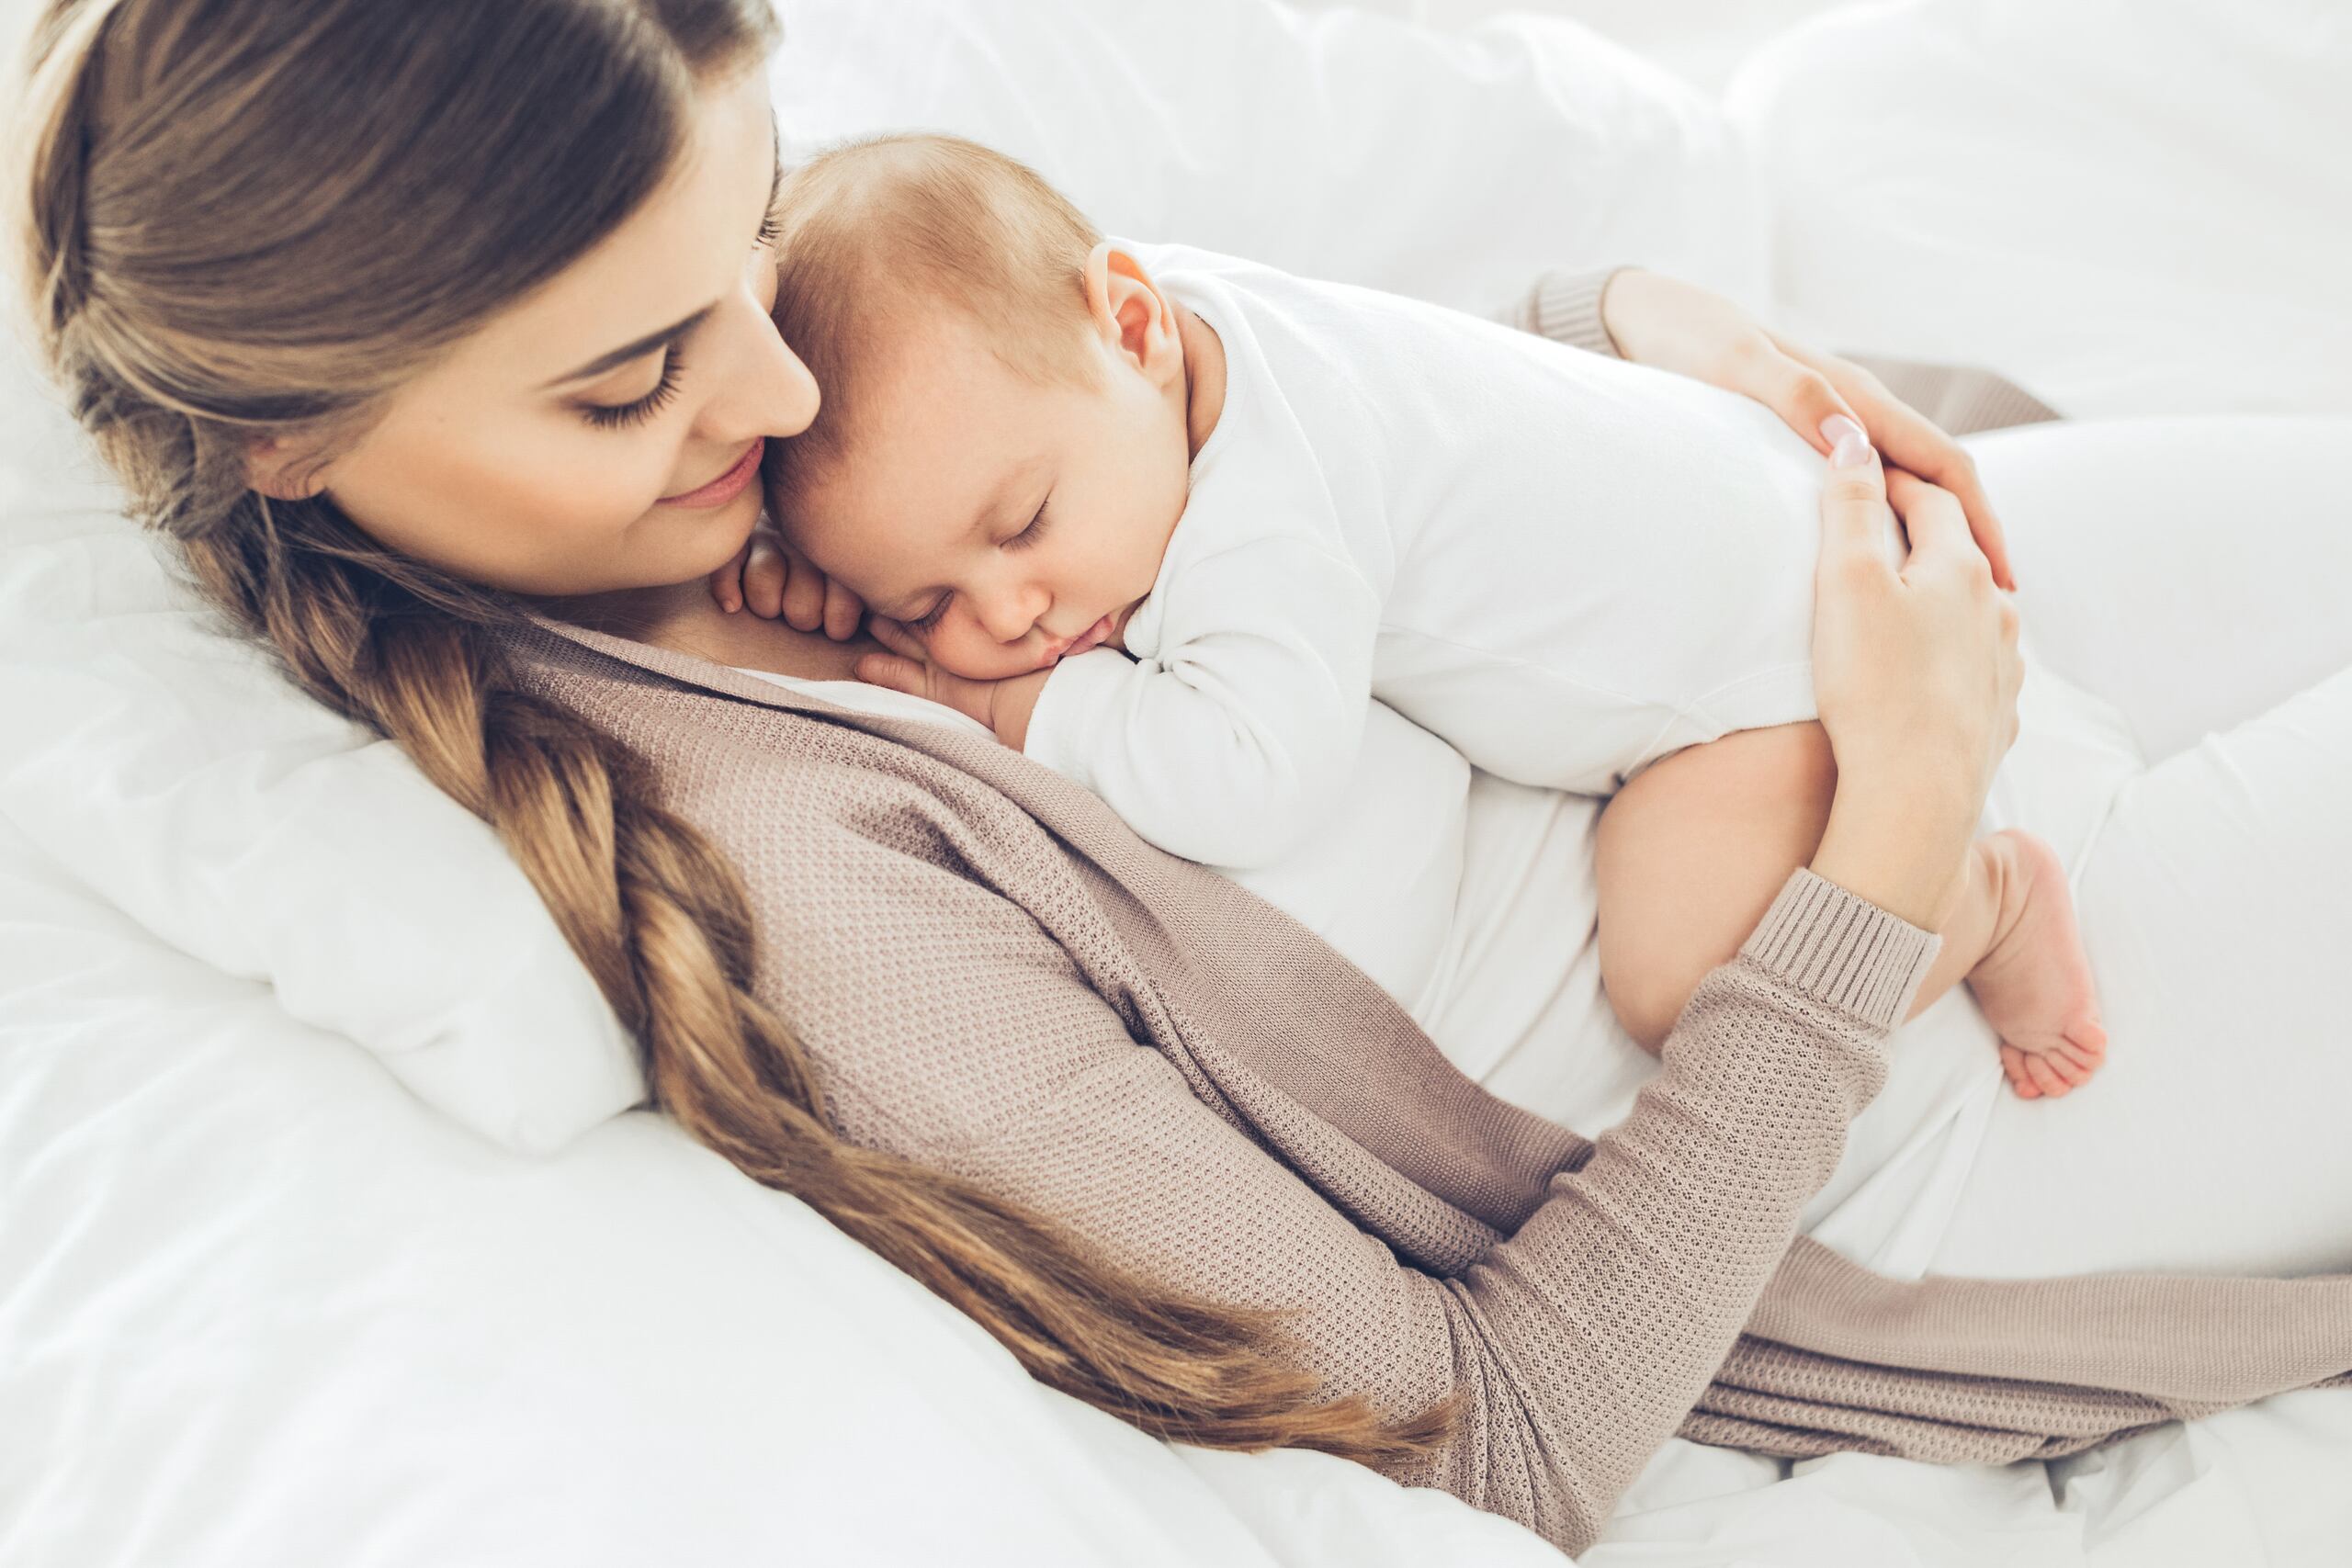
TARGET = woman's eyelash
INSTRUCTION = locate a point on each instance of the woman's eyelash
(615, 416)
(768, 225)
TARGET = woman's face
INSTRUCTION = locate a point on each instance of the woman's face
(605, 433)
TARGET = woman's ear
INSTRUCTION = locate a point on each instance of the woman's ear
(1135, 319)
(283, 469)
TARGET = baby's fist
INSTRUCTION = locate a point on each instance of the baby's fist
(774, 582)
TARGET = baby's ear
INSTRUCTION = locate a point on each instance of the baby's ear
(1132, 316)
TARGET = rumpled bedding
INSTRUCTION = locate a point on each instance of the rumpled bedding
(325, 1235)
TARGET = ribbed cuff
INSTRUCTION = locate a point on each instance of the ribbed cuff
(1843, 950)
(1565, 307)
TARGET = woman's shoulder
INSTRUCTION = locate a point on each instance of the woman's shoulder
(739, 753)
(896, 901)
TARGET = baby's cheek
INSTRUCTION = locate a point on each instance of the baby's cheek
(961, 649)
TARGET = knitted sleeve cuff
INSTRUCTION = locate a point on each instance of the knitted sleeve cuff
(1845, 951)
(1565, 307)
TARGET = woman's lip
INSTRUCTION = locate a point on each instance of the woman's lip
(727, 486)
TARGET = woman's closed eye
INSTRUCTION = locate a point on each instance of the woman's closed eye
(618, 416)
(637, 410)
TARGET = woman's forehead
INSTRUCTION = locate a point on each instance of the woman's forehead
(677, 254)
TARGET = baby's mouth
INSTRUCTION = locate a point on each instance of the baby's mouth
(1062, 648)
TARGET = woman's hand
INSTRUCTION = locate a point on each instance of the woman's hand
(1684, 328)
(1915, 673)
(775, 582)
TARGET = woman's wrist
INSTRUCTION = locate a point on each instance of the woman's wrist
(1903, 849)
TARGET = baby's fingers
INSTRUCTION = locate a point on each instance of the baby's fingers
(804, 593)
(727, 582)
(899, 675)
(894, 635)
(843, 610)
(763, 574)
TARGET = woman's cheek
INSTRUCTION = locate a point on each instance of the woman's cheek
(586, 493)
(572, 510)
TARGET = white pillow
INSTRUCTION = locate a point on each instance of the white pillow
(1453, 165)
(2131, 206)
(170, 768)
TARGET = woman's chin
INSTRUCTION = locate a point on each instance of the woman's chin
(667, 548)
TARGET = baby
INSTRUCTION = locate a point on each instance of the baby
(1166, 520)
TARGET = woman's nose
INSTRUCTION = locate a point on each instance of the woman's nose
(760, 386)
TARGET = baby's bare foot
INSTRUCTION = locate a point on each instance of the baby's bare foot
(2034, 981)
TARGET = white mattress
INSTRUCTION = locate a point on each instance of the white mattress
(259, 1304)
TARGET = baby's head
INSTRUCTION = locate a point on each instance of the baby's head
(1000, 454)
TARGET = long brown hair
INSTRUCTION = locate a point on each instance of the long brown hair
(254, 218)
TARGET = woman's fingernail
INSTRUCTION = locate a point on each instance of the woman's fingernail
(1850, 447)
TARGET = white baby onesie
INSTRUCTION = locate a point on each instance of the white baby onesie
(1566, 565)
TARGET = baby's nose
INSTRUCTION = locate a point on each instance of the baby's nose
(1007, 619)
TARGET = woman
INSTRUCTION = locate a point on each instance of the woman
(394, 314)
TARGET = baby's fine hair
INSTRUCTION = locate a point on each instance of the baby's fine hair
(872, 234)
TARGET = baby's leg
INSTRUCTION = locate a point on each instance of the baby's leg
(1690, 853)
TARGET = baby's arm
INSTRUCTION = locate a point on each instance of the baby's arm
(1228, 742)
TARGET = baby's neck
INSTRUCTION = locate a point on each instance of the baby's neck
(1204, 377)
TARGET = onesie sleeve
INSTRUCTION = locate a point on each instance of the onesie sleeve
(1230, 741)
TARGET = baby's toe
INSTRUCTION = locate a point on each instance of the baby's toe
(2084, 1061)
(2013, 1068)
(2045, 1076)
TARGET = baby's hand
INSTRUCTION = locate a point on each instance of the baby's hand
(1003, 705)
(774, 581)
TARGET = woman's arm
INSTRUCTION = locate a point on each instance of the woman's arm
(1571, 1349)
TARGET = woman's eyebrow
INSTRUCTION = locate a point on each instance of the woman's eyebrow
(637, 349)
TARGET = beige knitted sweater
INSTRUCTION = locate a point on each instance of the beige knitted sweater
(998, 978)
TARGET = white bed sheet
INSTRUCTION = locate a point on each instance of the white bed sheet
(258, 1305)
